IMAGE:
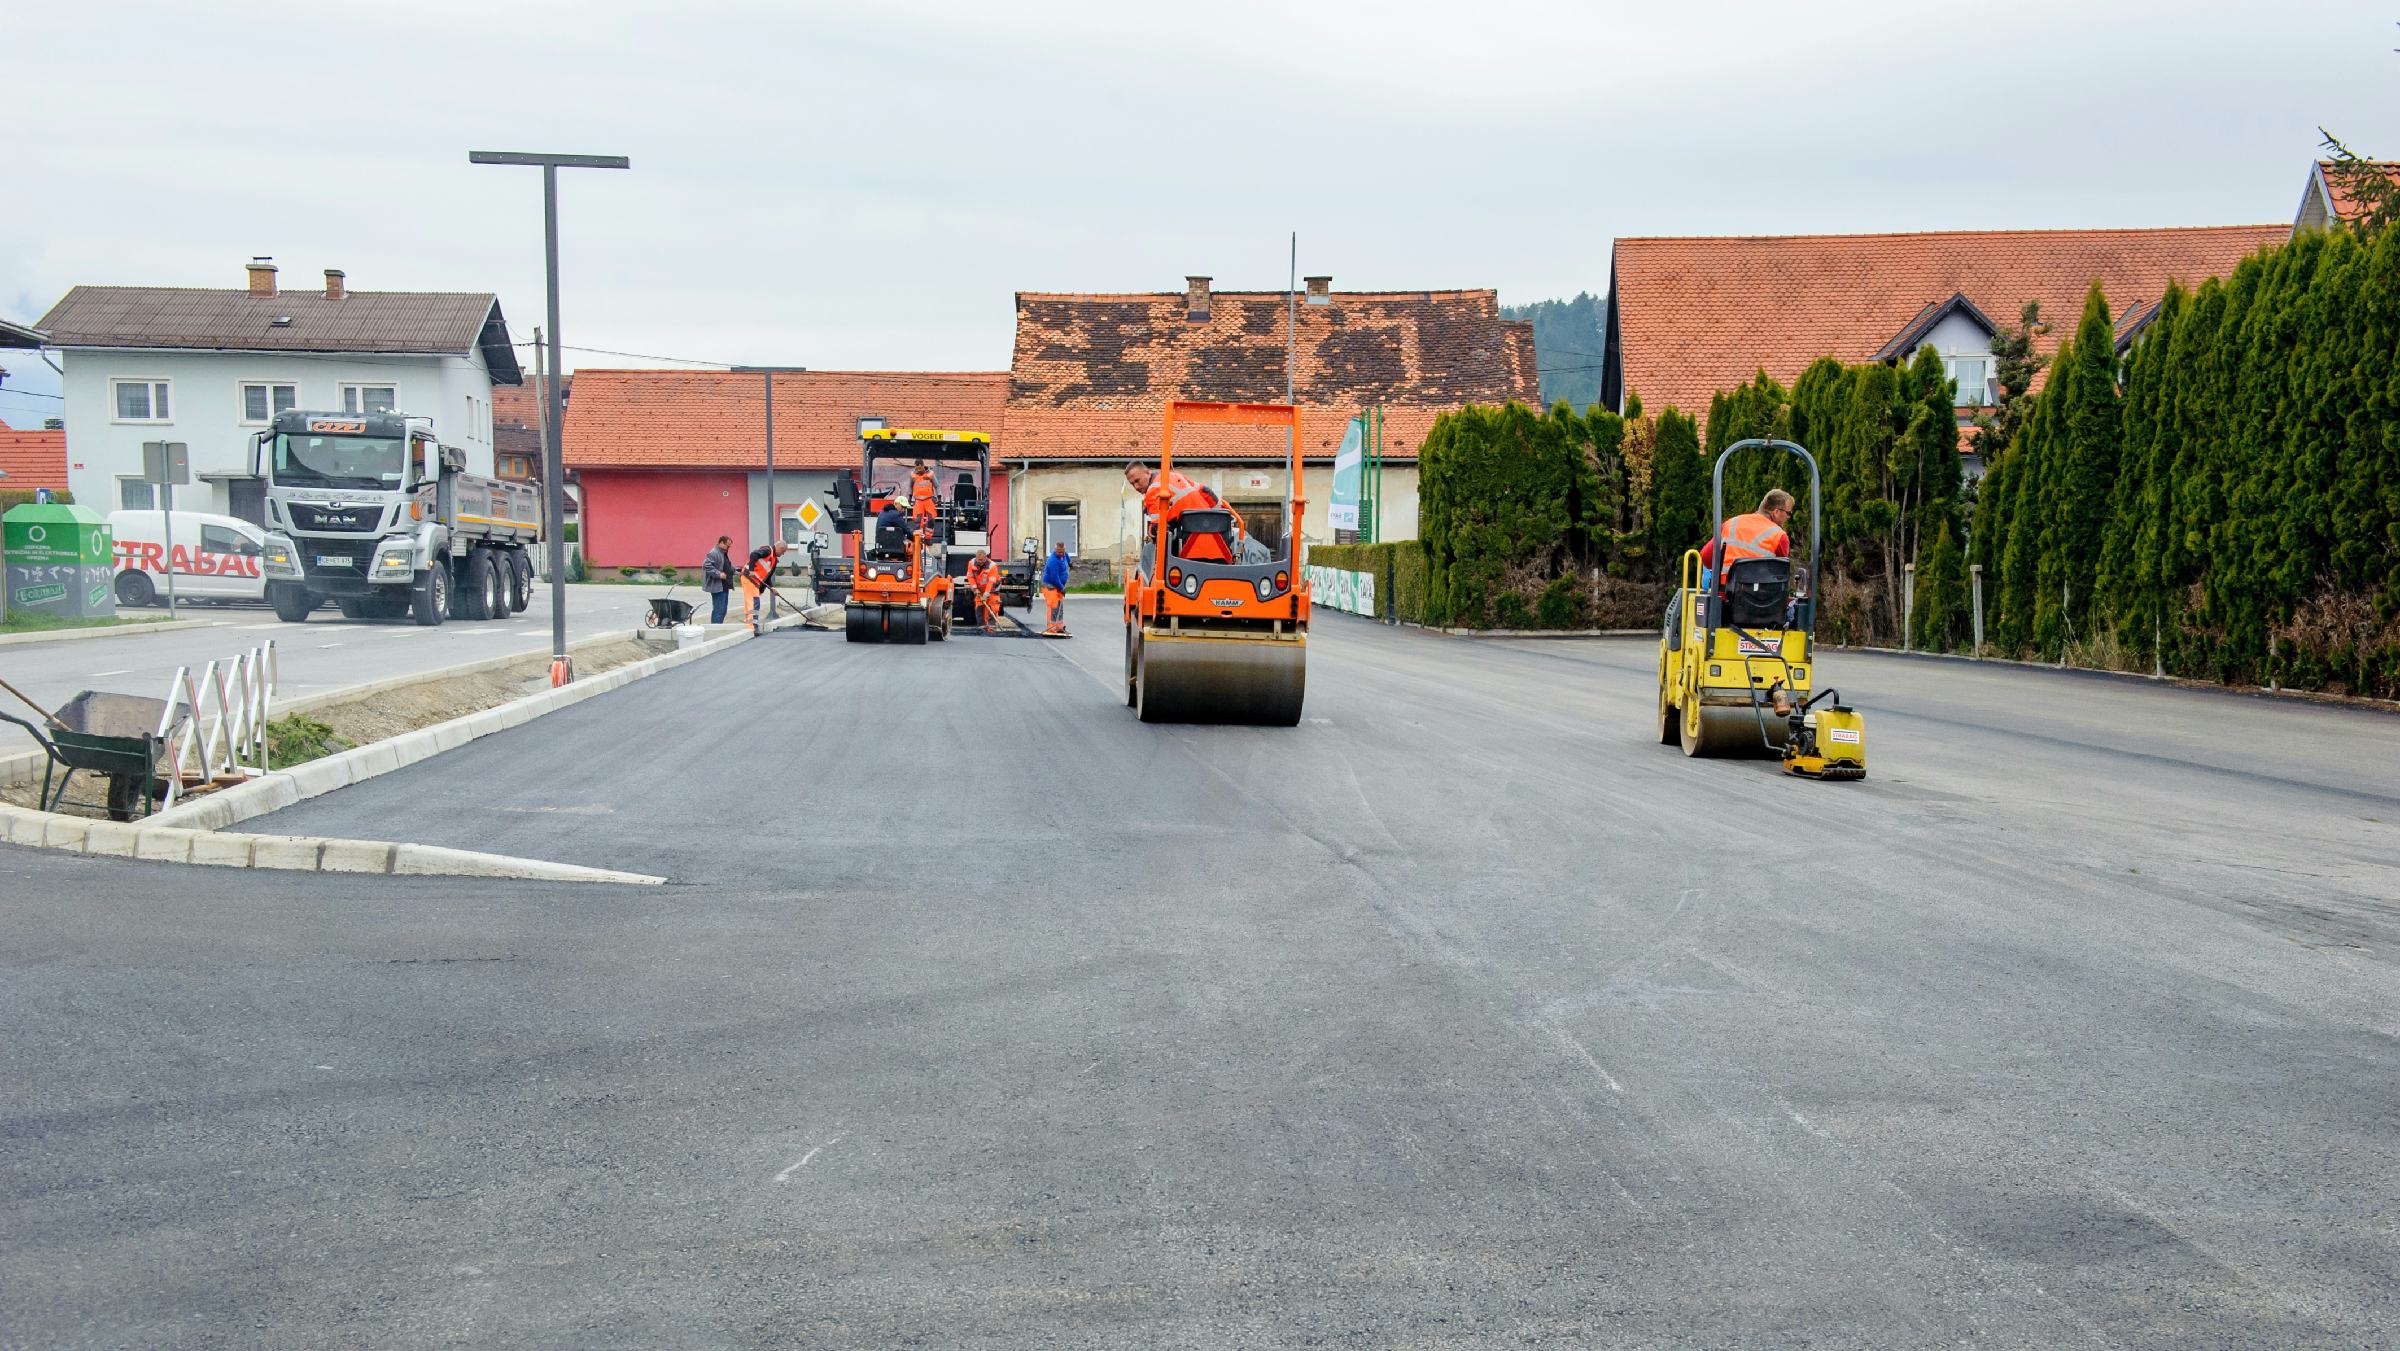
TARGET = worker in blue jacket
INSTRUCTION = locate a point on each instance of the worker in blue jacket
(1054, 588)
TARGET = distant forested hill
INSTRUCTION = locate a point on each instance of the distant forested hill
(1566, 339)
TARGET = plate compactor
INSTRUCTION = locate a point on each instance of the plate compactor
(1734, 660)
(1221, 637)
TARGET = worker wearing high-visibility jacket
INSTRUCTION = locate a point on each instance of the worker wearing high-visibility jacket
(920, 494)
(1165, 499)
(1753, 534)
(755, 579)
(983, 579)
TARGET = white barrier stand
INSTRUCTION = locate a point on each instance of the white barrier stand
(216, 726)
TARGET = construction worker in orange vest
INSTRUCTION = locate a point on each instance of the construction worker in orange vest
(983, 578)
(755, 579)
(920, 495)
(1164, 500)
(1753, 534)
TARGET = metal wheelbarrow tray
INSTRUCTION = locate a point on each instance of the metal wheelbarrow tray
(113, 735)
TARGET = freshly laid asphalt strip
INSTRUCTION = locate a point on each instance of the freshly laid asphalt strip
(1463, 1014)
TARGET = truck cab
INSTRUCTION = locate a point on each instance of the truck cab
(369, 511)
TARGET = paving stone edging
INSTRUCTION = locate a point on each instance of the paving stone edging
(291, 853)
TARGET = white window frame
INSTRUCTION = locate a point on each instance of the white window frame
(1073, 512)
(1950, 362)
(354, 394)
(156, 383)
(241, 398)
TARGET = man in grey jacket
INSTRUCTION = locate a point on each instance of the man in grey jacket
(716, 578)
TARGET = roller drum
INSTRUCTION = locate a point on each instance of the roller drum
(1256, 682)
(862, 623)
(1730, 730)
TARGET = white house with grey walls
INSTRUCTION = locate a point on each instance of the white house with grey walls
(211, 368)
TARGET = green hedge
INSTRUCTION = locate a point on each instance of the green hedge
(1400, 570)
(2222, 503)
(17, 497)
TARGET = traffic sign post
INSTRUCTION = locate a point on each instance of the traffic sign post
(167, 464)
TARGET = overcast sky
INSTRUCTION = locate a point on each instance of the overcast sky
(865, 185)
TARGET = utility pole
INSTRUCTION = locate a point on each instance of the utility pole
(554, 500)
(767, 375)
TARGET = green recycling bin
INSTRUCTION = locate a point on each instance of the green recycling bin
(61, 561)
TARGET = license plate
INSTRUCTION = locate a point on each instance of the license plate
(334, 561)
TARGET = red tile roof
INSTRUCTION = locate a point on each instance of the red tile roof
(1698, 315)
(521, 405)
(2345, 204)
(681, 419)
(1092, 373)
(33, 460)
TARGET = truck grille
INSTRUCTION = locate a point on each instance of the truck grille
(313, 552)
(307, 517)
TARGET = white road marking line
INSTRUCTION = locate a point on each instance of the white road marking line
(803, 1160)
(127, 671)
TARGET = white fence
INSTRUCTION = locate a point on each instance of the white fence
(216, 725)
(1341, 589)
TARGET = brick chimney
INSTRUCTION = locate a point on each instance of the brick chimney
(262, 276)
(333, 283)
(1195, 298)
(1320, 290)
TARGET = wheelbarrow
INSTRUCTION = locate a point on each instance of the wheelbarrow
(666, 612)
(115, 736)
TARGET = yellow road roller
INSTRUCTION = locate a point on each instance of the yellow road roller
(1216, 620)
(1739, 645)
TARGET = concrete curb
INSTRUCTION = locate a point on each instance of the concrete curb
(286, 853)
(281, 788)
(2172, 682)
(118, 631)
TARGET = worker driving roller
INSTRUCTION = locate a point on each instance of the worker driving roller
(1756, 534)
(1168, 498)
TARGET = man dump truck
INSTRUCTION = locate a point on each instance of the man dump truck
(371, 512)
(911, 587)
(1739, 643)
(961, 464)
(1217, 633)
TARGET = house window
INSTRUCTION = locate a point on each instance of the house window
(262, 400)
(135, 494)
(1062, 523)
(141, 400)
(1971, 374)
(369, 398)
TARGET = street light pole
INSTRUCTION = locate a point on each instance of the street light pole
(554, 491)
(774, 508)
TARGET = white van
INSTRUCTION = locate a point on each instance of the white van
(216, 558)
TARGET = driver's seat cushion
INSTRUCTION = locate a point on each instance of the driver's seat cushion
(1756, 590)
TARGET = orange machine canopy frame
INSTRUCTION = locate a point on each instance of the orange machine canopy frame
(1244, 415)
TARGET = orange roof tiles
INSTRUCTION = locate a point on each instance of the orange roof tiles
(33, 460)
(1696, 315)
(1092, 374)
(2345, 204)
(681, 419)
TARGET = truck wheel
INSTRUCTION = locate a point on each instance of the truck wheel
(429, 599)
(475, 585)
(495, 597)
(520, 581)
(135, 589)
(353, 607)
(291, 601)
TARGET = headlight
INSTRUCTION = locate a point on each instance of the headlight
(1191, 586)
(1266, 587)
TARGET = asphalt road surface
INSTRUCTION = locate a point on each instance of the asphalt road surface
(328, 652)
(1464, 1014)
